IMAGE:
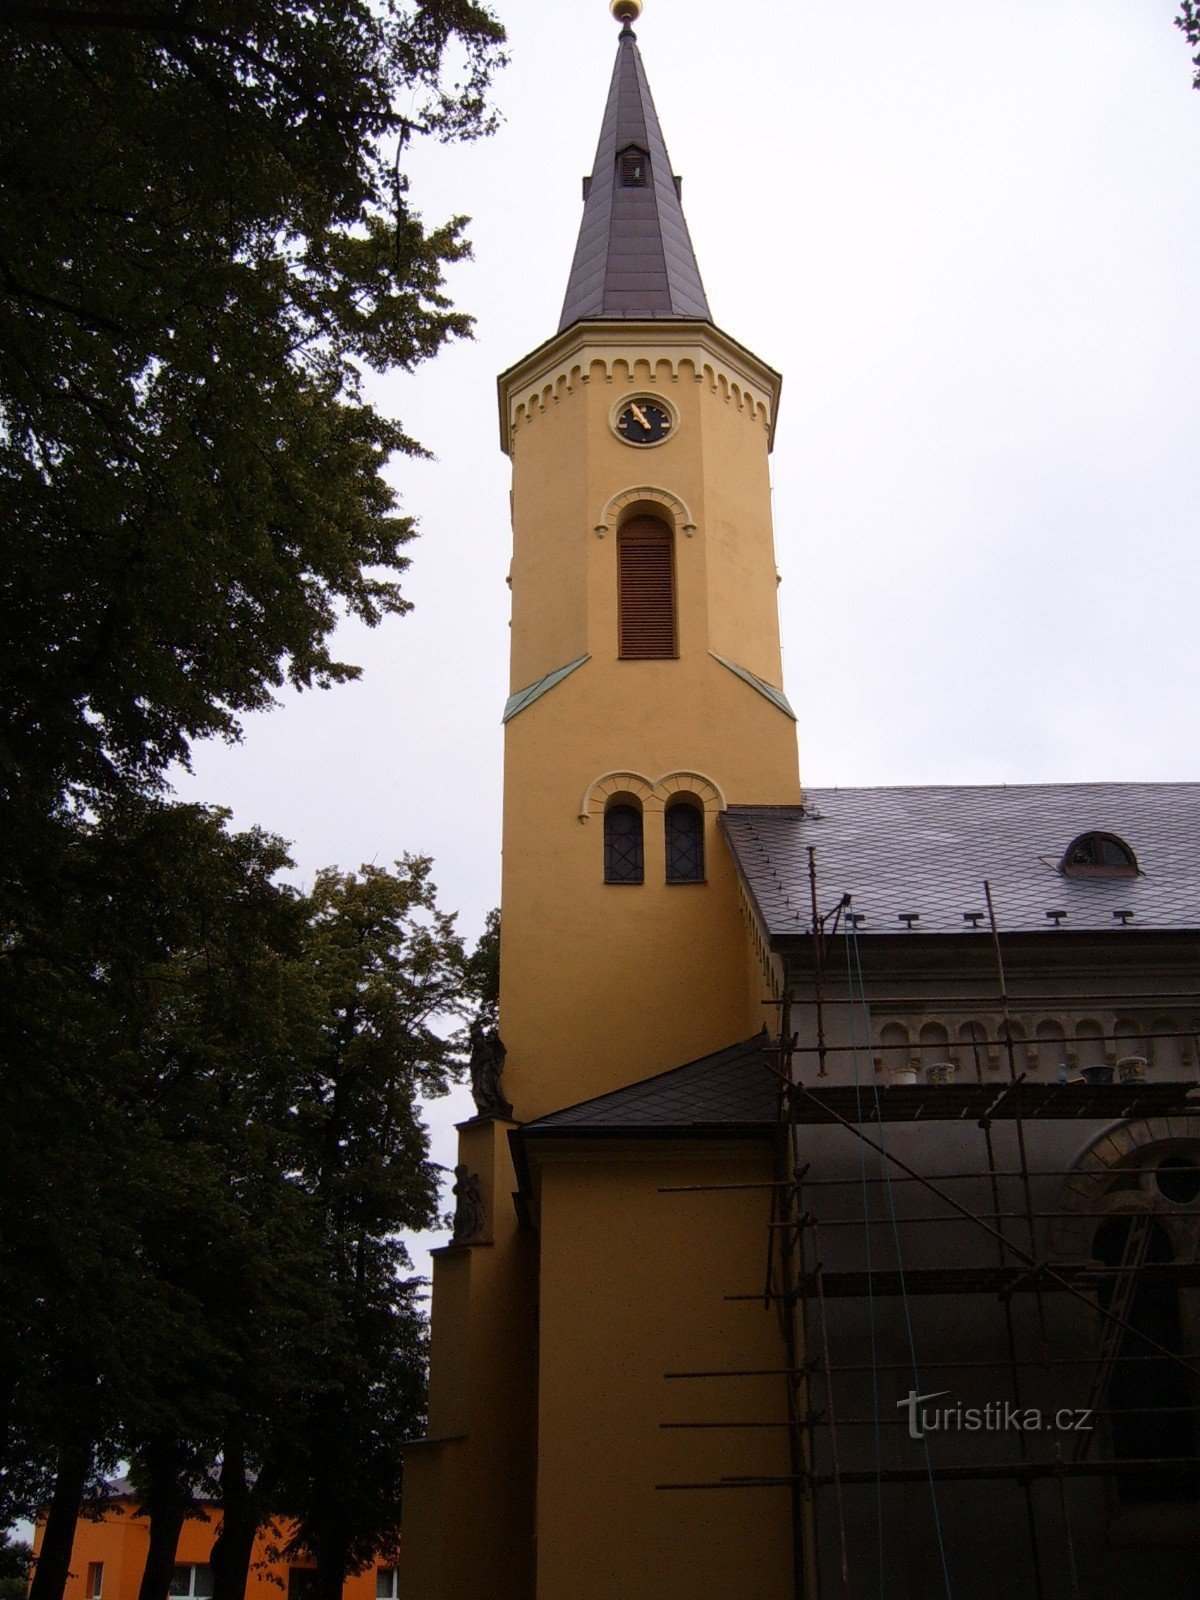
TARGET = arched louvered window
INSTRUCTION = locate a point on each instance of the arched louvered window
(623, 856)
(634, 168)
(685, 842)
(646, 590)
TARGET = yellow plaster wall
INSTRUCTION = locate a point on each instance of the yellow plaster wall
(549, 574)
(603, 984)
(633, 1286)
(468, 1528)
(739, 537)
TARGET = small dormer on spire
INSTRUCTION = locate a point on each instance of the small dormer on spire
(634, 258)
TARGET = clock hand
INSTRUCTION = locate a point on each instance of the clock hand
(640, 414)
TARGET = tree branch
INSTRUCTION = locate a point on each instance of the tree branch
(94, 320)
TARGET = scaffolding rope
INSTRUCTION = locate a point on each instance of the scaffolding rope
(859, 984)
(862, 1162)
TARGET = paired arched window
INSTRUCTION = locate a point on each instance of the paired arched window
(624, 859)
(624, 852)
(685, 842)
(646, 590)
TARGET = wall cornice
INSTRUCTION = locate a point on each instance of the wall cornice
(691, 352)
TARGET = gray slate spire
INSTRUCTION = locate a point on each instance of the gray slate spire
(634, 258)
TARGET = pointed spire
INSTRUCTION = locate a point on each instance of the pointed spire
(634, 257)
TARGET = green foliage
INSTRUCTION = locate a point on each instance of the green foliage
(209, 1139)
(15, 1560)
(228, 1071)
(1188, 21)
(483, 967)
(205, 232)
(390, 975)
(156, 1001)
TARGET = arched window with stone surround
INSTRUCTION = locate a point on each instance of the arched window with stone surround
(624, 858)
(646, 590)
(684, 825)
(1149, 1401)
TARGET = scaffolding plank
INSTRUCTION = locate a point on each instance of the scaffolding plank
(990, 1280)
(971, 1102)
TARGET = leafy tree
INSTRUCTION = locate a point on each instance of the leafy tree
(391, 975)
(228, 1070)
(1188, 21)
(16, 1557)
(120, 1207)
(205, 234)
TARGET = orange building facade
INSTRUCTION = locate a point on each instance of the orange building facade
(108, 1558)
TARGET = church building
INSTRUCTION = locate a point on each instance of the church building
(830, 1222)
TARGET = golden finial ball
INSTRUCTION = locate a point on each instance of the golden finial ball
(626, 10)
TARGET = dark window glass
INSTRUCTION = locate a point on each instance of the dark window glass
(646, 590)
(623, 845)
(635, 168)
(1148, 1397)
(685, 843)
(1101, 853)
(1178, 1180)
(302, 1583)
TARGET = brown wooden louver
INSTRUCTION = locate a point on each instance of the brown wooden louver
(646, 590)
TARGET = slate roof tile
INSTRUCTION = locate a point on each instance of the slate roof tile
(730, 1091)
(634, 257)
(928, 851)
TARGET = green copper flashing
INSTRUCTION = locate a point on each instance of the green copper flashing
(767, 690)
(526, 697)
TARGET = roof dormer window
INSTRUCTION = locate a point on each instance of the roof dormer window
(1098, 855)
(633, 166)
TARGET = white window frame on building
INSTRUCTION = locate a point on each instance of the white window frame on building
(191, 1580)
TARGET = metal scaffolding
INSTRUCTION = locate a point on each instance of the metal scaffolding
(801, 1287)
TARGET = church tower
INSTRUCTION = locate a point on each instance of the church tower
(646, 691)
(646, 682)
(678, 1230)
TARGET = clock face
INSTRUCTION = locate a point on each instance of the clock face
(644, 421)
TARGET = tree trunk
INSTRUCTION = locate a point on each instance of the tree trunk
(240, 1521)
(332, 1561)
(54, 1559)
(167, 1501)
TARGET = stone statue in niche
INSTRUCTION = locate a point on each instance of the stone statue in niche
(468, 1206)
(487, 1069)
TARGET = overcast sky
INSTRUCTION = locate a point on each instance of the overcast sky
(967, 233)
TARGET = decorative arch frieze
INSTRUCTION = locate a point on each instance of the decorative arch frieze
(719, 366)
(647, 494)
(654, 793)
(1060, 1044)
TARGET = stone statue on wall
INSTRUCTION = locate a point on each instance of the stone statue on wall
(487, 1069)
(468, 1206)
